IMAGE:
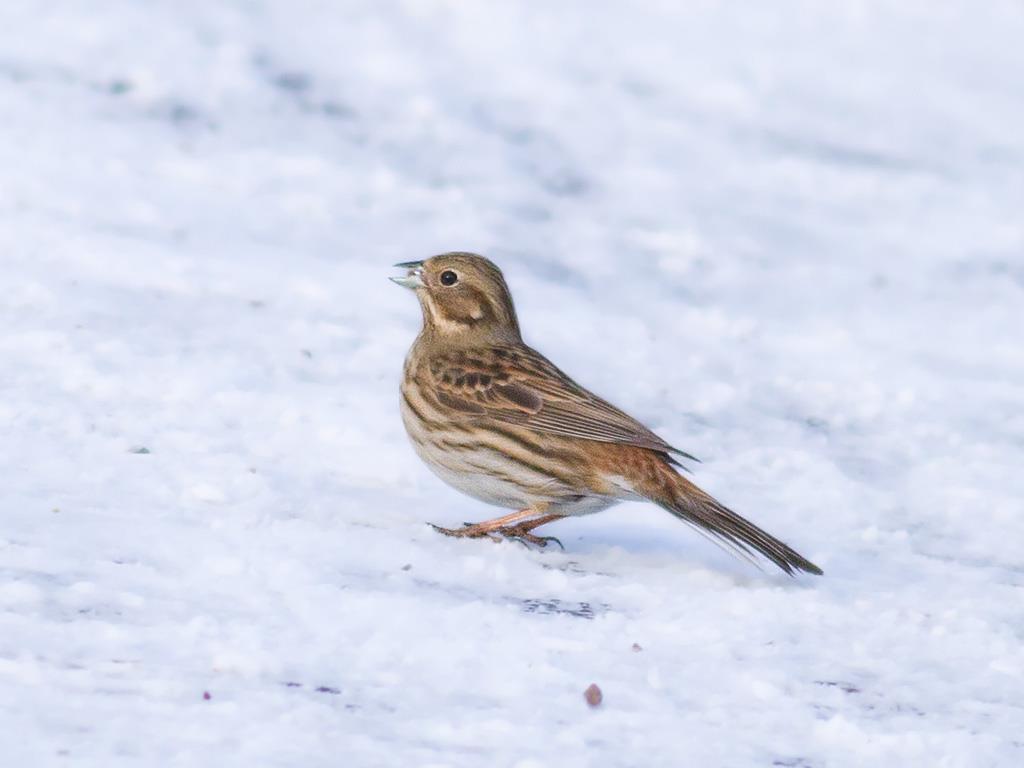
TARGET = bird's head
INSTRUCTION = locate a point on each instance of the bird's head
(462, 294)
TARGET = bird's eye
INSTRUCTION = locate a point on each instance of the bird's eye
(449, 278)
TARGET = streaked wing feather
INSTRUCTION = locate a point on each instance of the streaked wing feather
(521, 386)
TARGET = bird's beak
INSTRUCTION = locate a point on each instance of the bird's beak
(414, 279)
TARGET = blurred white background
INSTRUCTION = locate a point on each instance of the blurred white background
(787, 236)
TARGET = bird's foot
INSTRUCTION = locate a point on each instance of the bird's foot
(521, 533)
(468, 531)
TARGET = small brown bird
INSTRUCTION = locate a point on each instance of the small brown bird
(495, 419)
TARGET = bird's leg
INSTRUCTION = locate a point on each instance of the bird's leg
(521, 531)
(489, 528)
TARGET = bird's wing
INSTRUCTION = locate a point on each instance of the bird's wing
(518, 385)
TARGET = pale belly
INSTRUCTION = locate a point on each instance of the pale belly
(483, 474)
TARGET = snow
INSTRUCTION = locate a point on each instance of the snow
(786, 236)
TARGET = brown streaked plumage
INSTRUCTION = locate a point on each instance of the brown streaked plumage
(498, 421)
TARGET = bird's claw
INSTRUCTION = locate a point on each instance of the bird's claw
(513, 532)
(466, 532)
(445, 531)
(526, 538)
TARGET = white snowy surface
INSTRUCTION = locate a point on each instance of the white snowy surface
(788, 236)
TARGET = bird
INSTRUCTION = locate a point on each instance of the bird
(497, 420)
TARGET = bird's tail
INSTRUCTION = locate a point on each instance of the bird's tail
(692, 505)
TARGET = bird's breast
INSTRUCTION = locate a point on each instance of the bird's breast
(497, 463)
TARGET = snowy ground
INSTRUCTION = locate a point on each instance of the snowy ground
(787, 236)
